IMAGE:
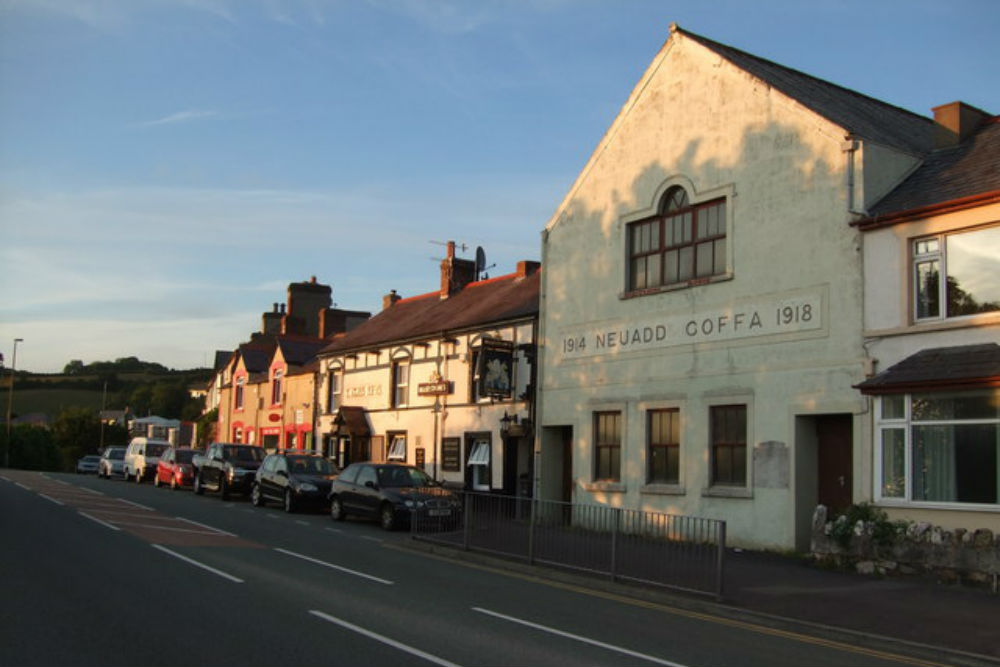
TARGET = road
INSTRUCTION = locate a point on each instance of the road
(104, 572)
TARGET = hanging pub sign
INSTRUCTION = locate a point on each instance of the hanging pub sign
(495, 368)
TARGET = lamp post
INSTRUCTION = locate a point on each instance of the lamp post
(10, 400)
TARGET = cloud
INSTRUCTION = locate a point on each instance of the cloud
(179, 117)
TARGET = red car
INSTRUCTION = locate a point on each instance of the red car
(175, 468)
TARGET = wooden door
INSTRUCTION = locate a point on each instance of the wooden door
(835, 461)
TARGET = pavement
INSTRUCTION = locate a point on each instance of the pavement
(931, 622)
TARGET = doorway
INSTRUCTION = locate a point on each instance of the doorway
(834, 462)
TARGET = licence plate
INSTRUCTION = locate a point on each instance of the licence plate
(438, 512)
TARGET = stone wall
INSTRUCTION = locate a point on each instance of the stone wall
(908, 549)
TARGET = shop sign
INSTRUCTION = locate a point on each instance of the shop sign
(495, 368)
(363, 390)
(764, 316)
(436, 387)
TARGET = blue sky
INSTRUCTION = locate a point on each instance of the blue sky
(168, 167)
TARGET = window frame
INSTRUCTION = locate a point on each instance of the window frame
(939, 256)
(277, 386)
(335, 388)
(393, 437)
(658, 221)
(614, 446)
(676, 425)
(905, 422)
(239, 392)
(400, 390)
(714, 444)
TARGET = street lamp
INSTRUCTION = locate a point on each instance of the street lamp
(10, 400)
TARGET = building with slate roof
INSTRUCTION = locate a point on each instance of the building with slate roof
(444, 381)
(931, 328)
(718, 279)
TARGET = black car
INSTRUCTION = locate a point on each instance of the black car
(293, 478)
(228, 468)
(389, 492)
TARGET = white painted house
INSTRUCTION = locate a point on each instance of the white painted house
(702, 305)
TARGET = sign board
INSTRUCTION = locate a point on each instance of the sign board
(451, 454)
(495, 368)
(440, 388)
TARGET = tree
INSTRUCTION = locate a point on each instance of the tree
(76, 431)
(31, 448)
(74, 367)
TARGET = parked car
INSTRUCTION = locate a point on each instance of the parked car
(294, 478)
(88, 464)
(174, 468)
(111, 463)
(141, 458)
(388, 492)
(228, 468)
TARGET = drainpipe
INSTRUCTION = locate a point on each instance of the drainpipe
(850, 148)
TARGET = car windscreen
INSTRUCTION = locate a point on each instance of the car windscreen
(155, 450)
(92, 458)
(184, 455)
(392, 476)
(116, 454)
(309, 465)
(244, 453)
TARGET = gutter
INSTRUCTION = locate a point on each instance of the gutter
(940, 208)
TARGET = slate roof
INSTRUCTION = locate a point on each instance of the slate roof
(864, 116)
(479, 304)
(968, 169)
(298, 352)
(961, 366)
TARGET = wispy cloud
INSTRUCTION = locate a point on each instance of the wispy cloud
(180, 117)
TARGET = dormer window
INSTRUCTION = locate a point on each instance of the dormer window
(683, 243)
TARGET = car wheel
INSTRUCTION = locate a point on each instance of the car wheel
(337, 512)
(198, 488)
(223, 489)
(255, 497)
(125, 474)
(387, 516)
(289, 501)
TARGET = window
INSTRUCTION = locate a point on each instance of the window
(400, 384)
(397, 450)
(240, 386)
(333, 401)
(940, 447)
(971, 263)
(663, 446)
(728, 432)
(276, 387)
(607, 445)
(479, 462)
(684, 242)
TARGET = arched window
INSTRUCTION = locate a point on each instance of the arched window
(684, 242)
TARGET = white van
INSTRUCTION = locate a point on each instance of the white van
(141, 458)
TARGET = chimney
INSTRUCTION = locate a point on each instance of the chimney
(455, 273)
(956, 122)
(527, 268)
(271, 322)
(390, 299)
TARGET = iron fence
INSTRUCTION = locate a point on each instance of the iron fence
(678, 552)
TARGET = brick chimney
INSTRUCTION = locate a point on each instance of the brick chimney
(271, 322)
(455, 273)
(526, 268)
(956, 122)
(390, 299)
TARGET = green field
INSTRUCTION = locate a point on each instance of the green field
(52, 401)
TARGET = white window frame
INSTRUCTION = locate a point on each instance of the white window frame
(479, 461)
(401, 383)
(940, 255)
(336, 388)
(906, 424)
(397, 450)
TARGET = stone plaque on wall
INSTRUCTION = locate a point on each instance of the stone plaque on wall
(770, 465)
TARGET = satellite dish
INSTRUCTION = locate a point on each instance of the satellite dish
(480, 261)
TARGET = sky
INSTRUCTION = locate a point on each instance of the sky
(168, 167)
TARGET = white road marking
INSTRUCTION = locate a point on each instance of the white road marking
(22, 486)
(385, 640)
(129, 502)
(50, 499)
(96, 520)
(197, 564)
(301, 522)
(96, 493)
(215, 530)
(585, 640)
(334, 530)
(336, 567)
(371, 539)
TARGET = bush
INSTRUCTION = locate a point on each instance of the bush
(872, 520)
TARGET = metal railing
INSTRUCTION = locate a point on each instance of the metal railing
(679, 552)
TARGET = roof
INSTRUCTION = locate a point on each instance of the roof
(966, 170)
(861, 115)
(352, 420)
(964, 366)
(478, 304)
(299, 352)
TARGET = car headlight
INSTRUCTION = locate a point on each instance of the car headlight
(415, 503)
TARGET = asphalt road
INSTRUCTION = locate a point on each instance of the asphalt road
(104, 572)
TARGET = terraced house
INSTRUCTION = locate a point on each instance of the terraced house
(444, 381)
(745, 253)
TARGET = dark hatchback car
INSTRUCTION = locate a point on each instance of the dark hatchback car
(389, 492)
(293, 478)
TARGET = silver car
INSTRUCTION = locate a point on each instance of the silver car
(112, 462)
(87, 464)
